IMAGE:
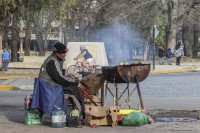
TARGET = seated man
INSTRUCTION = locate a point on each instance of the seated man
(52, 74)
(89, 61)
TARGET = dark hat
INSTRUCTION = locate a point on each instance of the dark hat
(59, 48)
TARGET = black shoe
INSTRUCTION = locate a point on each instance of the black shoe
(79, 126)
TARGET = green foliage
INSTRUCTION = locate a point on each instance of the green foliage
(161, 38)
(60, 7)
(8, 7)
(27, 9)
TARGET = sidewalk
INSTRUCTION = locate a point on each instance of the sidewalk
(159, 69)
(184, 67)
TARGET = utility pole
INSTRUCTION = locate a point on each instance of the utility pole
(1, 51)
(153, 47)
(154, 33)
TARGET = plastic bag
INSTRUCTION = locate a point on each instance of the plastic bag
(32, 118)
(134, 119)
(74, 119)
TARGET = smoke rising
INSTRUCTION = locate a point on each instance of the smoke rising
(122, 42)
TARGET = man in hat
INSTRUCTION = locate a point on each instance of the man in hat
(52, 73)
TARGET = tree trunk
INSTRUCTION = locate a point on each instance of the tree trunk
(173, 26)
(196, 37)
(70, 25)
(196, 47)
(45, 43)
(1, 39)
(40, 42)
(65, 36)
(27, 39)
(14, 38)
(188, 37)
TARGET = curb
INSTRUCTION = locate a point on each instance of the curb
(151, 72)
(6, 88)
(14, 77)
(172, 71)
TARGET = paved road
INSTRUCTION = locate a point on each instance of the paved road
(176, 84)
(175, 91)
(172, 91)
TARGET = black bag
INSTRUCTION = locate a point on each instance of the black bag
(73, 121)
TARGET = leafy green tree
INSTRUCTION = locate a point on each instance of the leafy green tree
(10, 10)
(56, 11)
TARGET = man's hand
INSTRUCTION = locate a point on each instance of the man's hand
(77, 82)
(79, 85)
(71, 76)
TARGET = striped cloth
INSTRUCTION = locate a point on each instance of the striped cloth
(179, 52)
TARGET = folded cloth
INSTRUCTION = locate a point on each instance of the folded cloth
(46, 96)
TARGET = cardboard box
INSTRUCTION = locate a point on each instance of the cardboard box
(96, 99)
(97, 115)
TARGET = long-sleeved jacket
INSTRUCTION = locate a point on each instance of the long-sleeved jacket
(169, 54)
(161, 52)
(179, 51)
(52, 72)
(5, 55)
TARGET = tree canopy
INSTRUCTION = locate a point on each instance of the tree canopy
(83, 20)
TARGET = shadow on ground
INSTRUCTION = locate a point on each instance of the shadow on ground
(13, 113)
(16, 114)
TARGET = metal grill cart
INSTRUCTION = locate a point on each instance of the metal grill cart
(133, 73)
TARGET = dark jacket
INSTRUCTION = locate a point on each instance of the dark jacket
(169, 54)
(161, 52)
(52, 72)
(48, 88)
(52, 84)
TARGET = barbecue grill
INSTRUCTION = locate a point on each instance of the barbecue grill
(133, 73)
